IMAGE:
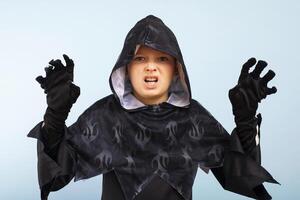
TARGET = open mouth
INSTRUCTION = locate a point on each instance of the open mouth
(151, 79)
(151, 82)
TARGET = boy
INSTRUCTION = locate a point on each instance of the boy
(149, 137)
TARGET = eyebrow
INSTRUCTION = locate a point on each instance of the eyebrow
(162, 54)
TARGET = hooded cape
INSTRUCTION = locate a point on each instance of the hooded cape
(170, 140)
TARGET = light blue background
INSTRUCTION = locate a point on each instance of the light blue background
(216, 38)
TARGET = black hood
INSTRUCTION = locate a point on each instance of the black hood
(152, 32)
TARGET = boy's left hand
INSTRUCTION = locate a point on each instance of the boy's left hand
(250, 90)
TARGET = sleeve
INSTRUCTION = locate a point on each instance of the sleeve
(241, 171)
(56, 159)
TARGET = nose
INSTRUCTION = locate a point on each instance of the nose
(150, 68)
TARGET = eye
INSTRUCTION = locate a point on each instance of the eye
(139, 58)
(163, 58)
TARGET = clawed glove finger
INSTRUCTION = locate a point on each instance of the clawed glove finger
(245, 69)
(69, 65)
(48, 70)
(57, 64)
(272, 90)
(267, 77)
(41, 81)
(259, 68)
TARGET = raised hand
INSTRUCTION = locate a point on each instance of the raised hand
(250, 90)
(61, 92)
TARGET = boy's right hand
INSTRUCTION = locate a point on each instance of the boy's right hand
(61, 92)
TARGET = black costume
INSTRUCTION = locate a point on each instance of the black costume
(141, 148)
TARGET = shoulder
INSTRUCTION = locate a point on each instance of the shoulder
(197, 107)
(99, 105)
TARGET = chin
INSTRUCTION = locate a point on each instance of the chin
(151, 94)
(154, 96)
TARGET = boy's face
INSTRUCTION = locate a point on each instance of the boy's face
(151, 73)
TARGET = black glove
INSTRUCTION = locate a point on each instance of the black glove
(245, 96)
(250, 90)
(61, 92)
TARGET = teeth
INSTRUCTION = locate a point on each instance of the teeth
(151, 79)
